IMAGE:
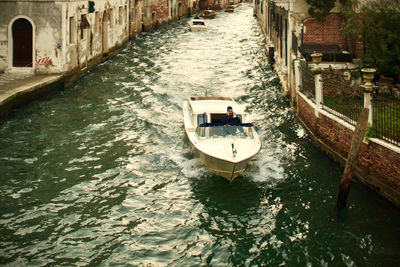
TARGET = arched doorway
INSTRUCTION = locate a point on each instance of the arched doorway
(104, 27)
(22, 43)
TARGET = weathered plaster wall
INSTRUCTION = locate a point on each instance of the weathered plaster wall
(261, 11)
(55, 48)
(47, 17)
(46, 20)
(108, 28)
(3, 47)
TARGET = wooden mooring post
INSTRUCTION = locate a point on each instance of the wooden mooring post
(356, 142)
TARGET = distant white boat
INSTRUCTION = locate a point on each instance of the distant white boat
(197, 25)
(225, 149)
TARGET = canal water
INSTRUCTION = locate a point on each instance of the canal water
(102, 174)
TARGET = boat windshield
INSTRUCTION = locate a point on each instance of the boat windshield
(198, 22)
(225, 130)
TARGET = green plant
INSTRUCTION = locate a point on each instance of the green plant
(319, 9)
(356, 74)
(372, 24)
(370, 133)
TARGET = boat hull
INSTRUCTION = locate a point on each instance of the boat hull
(198, 29)
(227, 169)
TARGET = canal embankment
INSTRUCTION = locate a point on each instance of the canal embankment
(18, 89)
(379, 161)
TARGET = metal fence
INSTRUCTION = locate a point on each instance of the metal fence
(386, 116)
(344, 98)
(341, 97)
(307, 81)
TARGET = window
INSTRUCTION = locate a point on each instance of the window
(83, 26)
(83, 17)
(121, 15)
(112, 19)
(71, 30)
(125, 14)
(97, 22)
(201, 118)
(225, 130)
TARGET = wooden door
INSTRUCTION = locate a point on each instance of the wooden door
(22, 43)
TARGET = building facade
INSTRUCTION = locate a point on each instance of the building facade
(292, 33)
(63, 36)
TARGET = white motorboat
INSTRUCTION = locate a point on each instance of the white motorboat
(224, 148)
(197, 25)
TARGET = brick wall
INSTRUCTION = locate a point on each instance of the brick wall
(325, 32)
(378, 167)
(376, 158)
(161, 12)
(306, 114)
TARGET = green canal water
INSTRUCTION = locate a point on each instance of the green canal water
(101, 174)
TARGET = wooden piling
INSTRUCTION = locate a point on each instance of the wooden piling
(356, 142)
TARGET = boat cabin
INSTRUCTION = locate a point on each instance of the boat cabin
(211, 125)
(206, 109)
(215, 118)
(198, 22)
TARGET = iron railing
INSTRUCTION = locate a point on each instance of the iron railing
(307, 81)
(342, 98)
(386, 116)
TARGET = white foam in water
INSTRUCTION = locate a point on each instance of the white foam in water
(191, 168)
(268, 169)
(24, 190)
(300, 132)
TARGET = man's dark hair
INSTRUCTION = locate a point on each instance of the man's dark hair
(228, 108)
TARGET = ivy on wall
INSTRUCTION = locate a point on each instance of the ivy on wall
(319, 9)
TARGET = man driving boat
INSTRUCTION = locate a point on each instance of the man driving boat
(230, 117)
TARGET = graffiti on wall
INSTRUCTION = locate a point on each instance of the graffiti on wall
(44, 61)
